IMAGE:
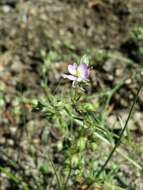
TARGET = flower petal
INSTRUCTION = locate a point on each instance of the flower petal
(84, 71)
(72, 69)
(88, 72)
(70, 77)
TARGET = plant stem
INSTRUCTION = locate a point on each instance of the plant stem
(67, 179)
(120, 137)
(16, 180)
(56, 174)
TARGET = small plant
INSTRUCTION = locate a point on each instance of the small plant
(138, 36)
(78, 141)
(82, 130)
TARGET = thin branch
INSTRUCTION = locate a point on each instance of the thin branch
(119, 139)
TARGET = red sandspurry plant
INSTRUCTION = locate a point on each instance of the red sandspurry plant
(80, 124)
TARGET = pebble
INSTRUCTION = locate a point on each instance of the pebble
(115, 124)
(6, 9)
(13, 130)
(10, 142)
(17, 66)
(128, 81)
(138, 118)
(119, 72)
(109, 65)
(2, 140)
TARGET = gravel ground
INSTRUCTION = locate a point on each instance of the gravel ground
(29, 26)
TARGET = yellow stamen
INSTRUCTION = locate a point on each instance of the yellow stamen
(78, 74)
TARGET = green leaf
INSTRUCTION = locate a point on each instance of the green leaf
(84, 59)
(82, 143)
(44, 169)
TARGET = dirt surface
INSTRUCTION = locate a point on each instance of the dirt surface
(26, 28)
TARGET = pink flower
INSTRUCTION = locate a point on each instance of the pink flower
(78, 73)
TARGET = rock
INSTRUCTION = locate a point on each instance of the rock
(10, 142)
(17, 66)
(6, 9)
(109, 65)
(138, 119)
(13, 130)
(114, 123)
(2, 140)
(119, 72)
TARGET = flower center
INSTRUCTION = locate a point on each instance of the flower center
(78, 74)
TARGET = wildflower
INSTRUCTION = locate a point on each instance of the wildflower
(78, 73)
